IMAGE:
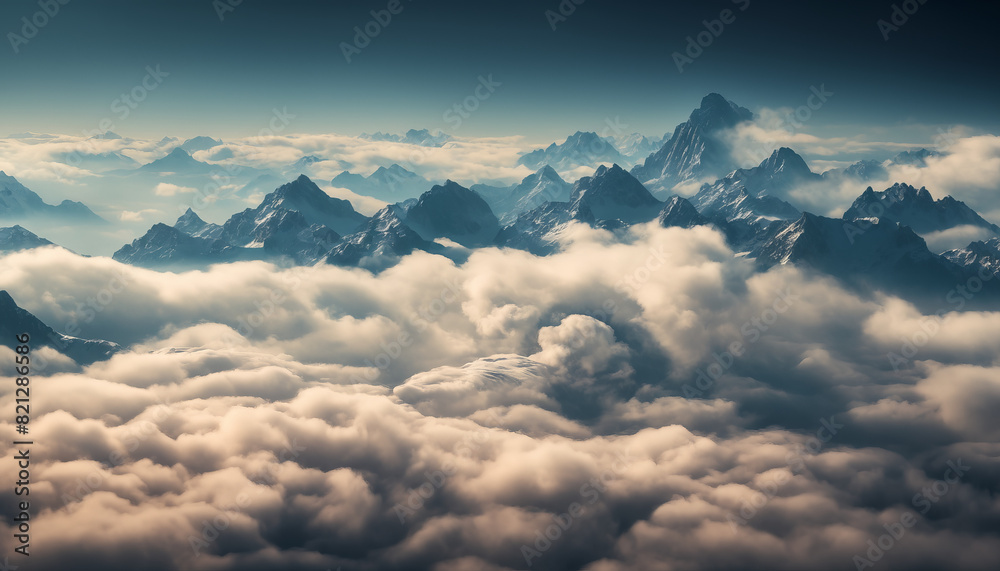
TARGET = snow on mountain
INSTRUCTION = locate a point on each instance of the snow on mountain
(192, 225)
(579, 149)
(695, 150)
(679, 212)
(917, 158)
(306, 162)
(887, 256)
(861, 171)
(16, 238)
(302, 195)
(917, 209)
(164, 246)
(544, 185)
(981, 258)
(384, 238)
(636, 146)
(392, 184)
(454, 212)
(294, 222)
(536, 230)
(18, 202)
(611, 199)
(614, 194)
(425, 138)
(750, 194)
(280, 232)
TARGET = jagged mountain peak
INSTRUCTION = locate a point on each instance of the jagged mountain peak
(717, 112)
(452, 211)
(695, 149)
(547, 172)
(614, 171)
(390, 184)
(302, 185)
(582, 148)
(192, 224)
(917, 209)
(384, 237)
(614, 194)
(679, 211)
(189, 217)
(918, 157)
(785, 159)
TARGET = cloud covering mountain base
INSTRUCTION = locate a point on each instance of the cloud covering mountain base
(660, 406)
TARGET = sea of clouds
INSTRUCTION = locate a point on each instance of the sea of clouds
(654, 404)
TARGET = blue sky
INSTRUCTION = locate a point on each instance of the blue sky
(605, 59)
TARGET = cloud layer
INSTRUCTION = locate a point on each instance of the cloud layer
(653, 404)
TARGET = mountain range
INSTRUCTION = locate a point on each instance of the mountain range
(390, 184)
(420, 137)
(508, 202)
(17, 202)
(579, 149)
(878, 242)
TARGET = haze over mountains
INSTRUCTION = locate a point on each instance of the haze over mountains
(900, 239)
(17, 202)
(755, 208)
(663, 318)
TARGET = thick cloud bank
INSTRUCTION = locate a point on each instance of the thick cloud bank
(653, 404)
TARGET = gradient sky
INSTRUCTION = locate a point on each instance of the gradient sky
(607, 59)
